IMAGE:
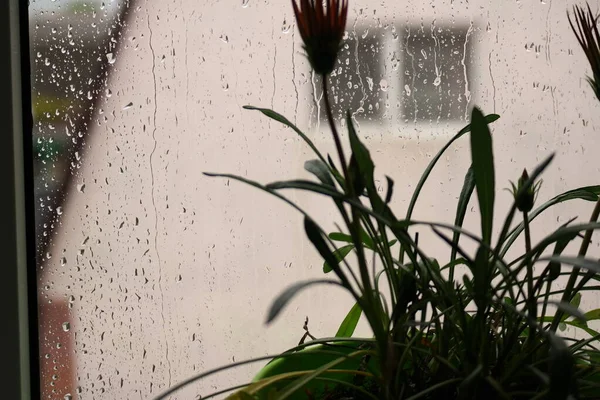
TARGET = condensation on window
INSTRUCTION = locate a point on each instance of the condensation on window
(150, 272)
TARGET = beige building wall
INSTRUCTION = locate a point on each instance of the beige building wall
(171, 273)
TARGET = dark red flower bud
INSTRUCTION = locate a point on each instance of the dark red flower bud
(322, 30)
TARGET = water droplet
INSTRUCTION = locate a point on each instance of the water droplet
(63, 261)
(285, 27)
(128, 105)
(111, 58)
(48, 255)
(407, 89)
(437, 81)
(81, 187)
(59, 210)
(224, 38)
(66, 326)
(245, 3)
(383, 85)
(68, 396)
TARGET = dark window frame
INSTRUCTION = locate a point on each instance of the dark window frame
(18, 289)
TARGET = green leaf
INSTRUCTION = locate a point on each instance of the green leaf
(314, 235)
(569, 309)
(554, 268)
(340, 237)
(349, 323)
(307, 185)
(576, 300)
(362, 158)
(280, 118)
(461, 210)
(355, 176)
(284, 298)
(583, 326)
(390, 189)
(580, 262)
(366, 239)
(339, 255)
(310, 375)
(241, 395)
(319, 169)
(483, 170)
(576, 324)
(592, 315)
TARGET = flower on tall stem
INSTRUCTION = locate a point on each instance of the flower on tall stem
(586, 31)
(322, 28)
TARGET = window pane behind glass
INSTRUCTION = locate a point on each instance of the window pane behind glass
(150, 272)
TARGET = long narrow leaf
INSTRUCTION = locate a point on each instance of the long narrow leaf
(284, 298)
(483, 170)
(280, 118)
(299, 383)
(339, 255)
(349, 323)
(320, 170)
(461, 211)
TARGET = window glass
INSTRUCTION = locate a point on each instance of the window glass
(150, 272)
(359, 82)
(437, 63)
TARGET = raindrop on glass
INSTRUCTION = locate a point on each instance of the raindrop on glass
(383, 85)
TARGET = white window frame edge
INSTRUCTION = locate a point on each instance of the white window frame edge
(18, 337)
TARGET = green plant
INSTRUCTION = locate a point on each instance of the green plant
(486, 332)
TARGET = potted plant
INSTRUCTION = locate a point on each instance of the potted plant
(477, 325)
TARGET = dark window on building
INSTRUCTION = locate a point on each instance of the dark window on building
(436, 73)
(357, 82)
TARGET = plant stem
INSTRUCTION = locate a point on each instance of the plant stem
(336, 136)
(354, 226)
(531, 303)
(372, 304)
(585, 244)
